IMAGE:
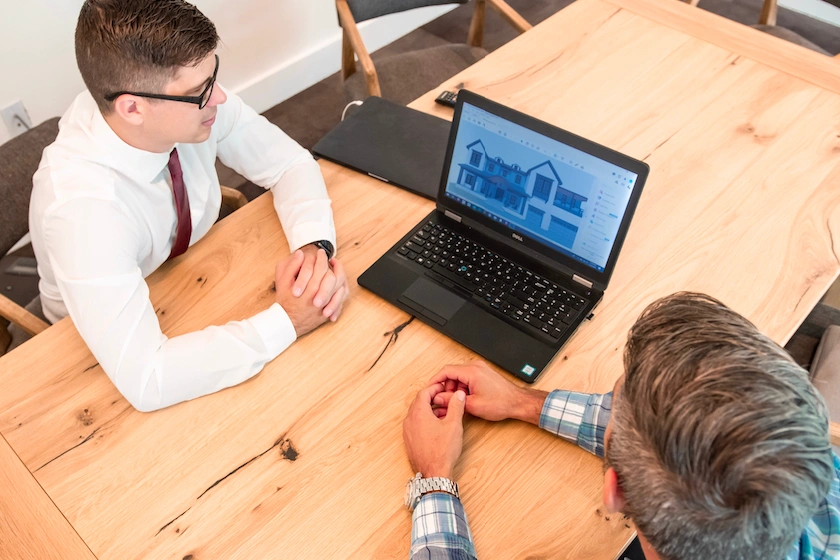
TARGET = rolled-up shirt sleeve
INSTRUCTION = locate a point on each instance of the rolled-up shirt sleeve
(439, 529)
(580, 418)
(96, 269)
(267, 156)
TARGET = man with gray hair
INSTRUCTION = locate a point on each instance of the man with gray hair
(715, 442)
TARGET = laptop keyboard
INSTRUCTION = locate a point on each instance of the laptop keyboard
(522, 297)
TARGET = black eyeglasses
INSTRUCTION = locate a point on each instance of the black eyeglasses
(200, 100)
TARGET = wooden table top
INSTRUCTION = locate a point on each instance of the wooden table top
(305, 460)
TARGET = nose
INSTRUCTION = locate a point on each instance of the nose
(217, 97)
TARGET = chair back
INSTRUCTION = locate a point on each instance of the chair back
(368, 9)
(19, 159)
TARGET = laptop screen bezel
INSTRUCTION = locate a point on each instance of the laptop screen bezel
(560, 261)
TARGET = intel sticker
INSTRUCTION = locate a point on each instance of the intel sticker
(528, 370)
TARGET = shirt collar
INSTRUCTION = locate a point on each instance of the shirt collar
(134, 162)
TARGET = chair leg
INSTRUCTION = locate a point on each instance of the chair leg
(5, 337)
(348, 57)
(476, 35)
(510, 15)
(769, 11)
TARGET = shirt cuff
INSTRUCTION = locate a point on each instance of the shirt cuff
(275, 328)
(580, 418)
(439, 521)
(308, 232)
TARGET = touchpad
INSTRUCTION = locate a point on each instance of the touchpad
(436, 299)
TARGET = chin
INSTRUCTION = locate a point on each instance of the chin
(200, 136)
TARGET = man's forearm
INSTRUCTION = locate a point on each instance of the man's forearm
(529, 406)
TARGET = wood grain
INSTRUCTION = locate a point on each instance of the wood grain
(31, 527)
(306, 460)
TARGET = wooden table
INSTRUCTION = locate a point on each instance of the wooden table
(742, 133)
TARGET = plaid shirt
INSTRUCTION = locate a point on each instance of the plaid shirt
(440, 530)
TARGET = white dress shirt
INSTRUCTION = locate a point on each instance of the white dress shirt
(102, 218)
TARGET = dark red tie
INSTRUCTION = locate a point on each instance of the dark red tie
(182, 206)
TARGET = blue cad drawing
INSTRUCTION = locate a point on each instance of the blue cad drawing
(537, 198)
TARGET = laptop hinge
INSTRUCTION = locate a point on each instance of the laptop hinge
(452, 215)
(582, 281)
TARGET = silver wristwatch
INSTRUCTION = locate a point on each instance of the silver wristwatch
(418, 486)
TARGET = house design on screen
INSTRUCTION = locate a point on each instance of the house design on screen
(537, 195)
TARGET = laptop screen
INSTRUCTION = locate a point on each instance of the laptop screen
(569, 200)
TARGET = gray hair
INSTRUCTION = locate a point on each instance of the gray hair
(719, 440)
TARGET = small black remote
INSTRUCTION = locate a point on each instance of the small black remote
(447, 98)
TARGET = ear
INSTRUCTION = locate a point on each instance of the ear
(130, 109)
(613, 494)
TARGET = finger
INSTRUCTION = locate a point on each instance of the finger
(338, 270)
(304, 275)
(287, 269)
(440, 412)
(455, 409)
(451, 385)
(427, 394)
(326, 290)
(442, 399)
(334, 316)
(334, 306)
(321, 267)
(457, 373)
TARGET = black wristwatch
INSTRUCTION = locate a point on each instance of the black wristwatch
(326, 246)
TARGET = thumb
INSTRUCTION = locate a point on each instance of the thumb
(455, 410)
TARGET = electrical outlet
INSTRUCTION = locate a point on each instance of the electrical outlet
(16, 118)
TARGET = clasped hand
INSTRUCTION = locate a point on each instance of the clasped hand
(311, 288)
(433, 429)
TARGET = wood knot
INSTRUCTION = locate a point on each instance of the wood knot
(85, 417)
(288, 451)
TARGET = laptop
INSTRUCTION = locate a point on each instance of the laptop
(526, 232)
(390, 142)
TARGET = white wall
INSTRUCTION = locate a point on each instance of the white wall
(271, 49)
(814, 8)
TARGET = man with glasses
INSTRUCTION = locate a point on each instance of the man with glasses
(130, 183)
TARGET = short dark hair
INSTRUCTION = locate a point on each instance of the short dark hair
(719, 440)
(138, 45)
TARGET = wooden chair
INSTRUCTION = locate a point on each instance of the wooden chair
(19, 159)
(767, 24)
(429, 65)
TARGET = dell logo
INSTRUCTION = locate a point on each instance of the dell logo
(517, 237)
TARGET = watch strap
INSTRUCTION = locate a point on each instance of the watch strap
(438, 484)
(326, 246)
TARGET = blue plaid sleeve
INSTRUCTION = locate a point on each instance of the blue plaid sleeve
(581, 418)
(821, 537)
(439, 529)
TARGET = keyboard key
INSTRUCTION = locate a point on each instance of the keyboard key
(534, 322)
(403, 250)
